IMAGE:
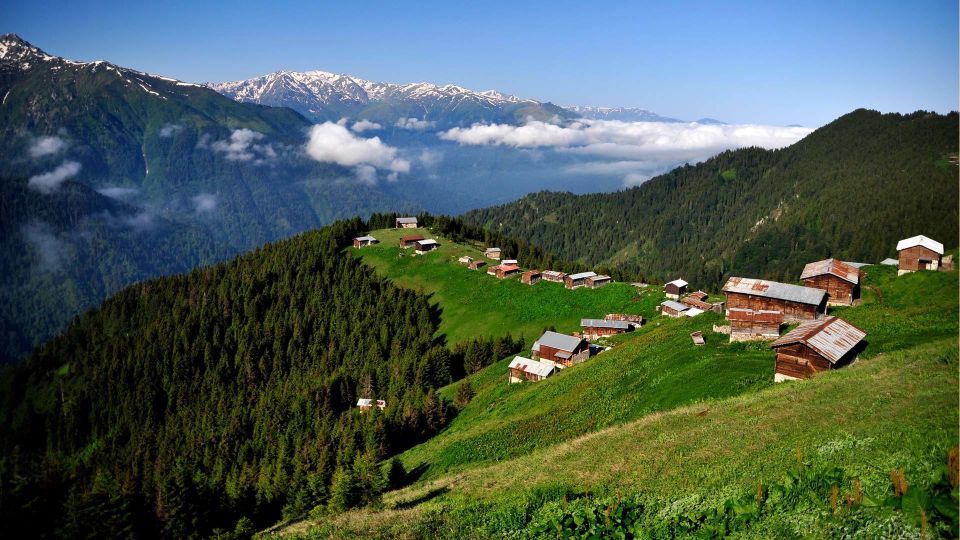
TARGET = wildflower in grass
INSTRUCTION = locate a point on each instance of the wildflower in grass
(953, 466)
(899, 482)
(760, 493)
(834, 492)
(799, 456)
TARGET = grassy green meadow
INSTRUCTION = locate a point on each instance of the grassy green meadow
(674, 428)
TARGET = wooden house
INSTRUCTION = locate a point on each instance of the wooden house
(816, 346)
(530, 277)
(918, 253)
(409, 241)
(636, 321)
(750, 325)
(573, 281)
(561, 349)
(466, 259)
(406, 223)
(364, 241)
(524, 369)
(503, 271)
(554, 276)
(366, 404)
(675, 289)
(841, 280)
(594, 328)
(492, 253)
(476, 265)
(798, 304)
(425, 246)
(672, 308)
(699, 295)
(595, 282)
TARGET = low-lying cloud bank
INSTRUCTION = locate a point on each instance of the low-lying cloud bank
(634, 150)
(334, 143)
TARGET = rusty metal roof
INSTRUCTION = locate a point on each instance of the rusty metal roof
(530, 273)
(699, 295)
(920, 240)
(599, 277)
(554, 274)
(833, 267)
(697, 303)
(832, 337)
(775, 290)
(605, 323)
(508, 267)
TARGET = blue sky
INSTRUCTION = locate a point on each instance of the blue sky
(753, 61)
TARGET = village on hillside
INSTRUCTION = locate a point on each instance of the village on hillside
(754, 309)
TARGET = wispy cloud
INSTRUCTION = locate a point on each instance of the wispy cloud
(48, 182)
(333, 143)
(635, 150)
(46, 146)
(169, 130)
(414, 124)
(122, 193)
(365, 125)
(242, 145)
(51, 250)
(204, 202)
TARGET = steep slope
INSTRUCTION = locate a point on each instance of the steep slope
(321, 96)
(207, 176)
(850, 190)
(614, 433)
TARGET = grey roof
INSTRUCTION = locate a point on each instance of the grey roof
(832, 337)
(600, 277)
(366, 238)
(676, 306)
(603, 323)
(890, 262)
(581, 275)
(775, 290)
(427, 242)
(406, 220)
(495, 249)
(536, 367)
(559, 341)
(857, 264)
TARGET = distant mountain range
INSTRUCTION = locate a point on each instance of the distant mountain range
(320, 96)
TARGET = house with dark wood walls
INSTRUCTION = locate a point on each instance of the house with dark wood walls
(839, 279)
(798, 304)
(561, 349)
(918, 253)
(816, 346)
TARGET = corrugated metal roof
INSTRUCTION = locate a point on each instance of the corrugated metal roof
(427, 242)
(493, 249)
(535, 367)
(857, 265)
(920, 240)
(559, 341)
(832, 337)
(775, 290)
(581, 275)
(676, 306)
(554, 274)
(599, 277)
(510, 261)
(699, 295)
(693, 312)
(697, 303)
(678, 283)
(890, 262)
(508, 267)
(366, 238)
(406, 220)
(531, 273)
(833, 267)
(604, 323)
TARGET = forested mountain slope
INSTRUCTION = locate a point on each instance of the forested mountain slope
(187, 402)
(849, 190)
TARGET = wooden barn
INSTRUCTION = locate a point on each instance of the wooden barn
(476, 265)
(366, 404)
(561, 349)
(573, 281)
(503, 271)
(672, 308)
(635, 321)
(798, 304)
(675, 289)
(364, 241)
(492, 253)
(409, 241)
(524, 369)
(425, 246)
(406, 223)
(816, 346)
(530, 277)
(595, 282)
(918, 253)
(554, 276)
(466, 259)
(841, 280)
(594, 328)
(750, 324)
(699, 295)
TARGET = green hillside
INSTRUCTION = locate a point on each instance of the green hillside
(850, 190)
(473, 303)
(671, 432)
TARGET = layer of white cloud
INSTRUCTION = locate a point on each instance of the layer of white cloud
(334, 143)
(48, 182)
(243, 145)
(47, 145)
(414, 124)
(365, 125)
(204, 202)
(116, 192)
(169, 130)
